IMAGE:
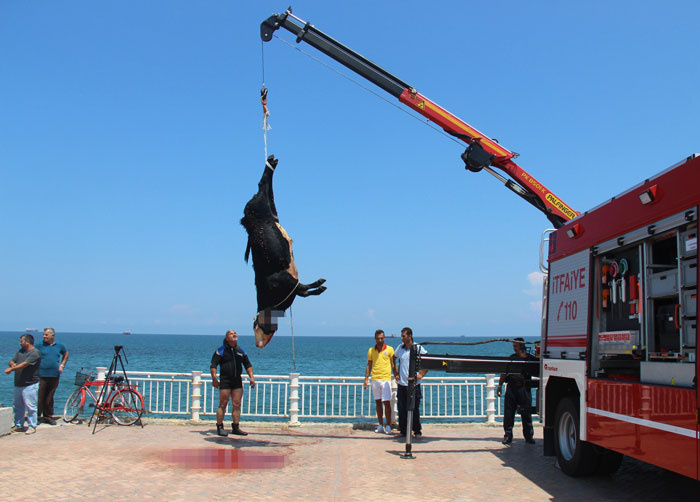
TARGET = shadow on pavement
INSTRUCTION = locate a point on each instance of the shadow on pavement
(239, 441)
(635, 480)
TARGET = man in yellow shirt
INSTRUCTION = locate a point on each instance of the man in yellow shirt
(381, 365)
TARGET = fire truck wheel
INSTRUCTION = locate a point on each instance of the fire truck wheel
(576, 457)
(609, 461)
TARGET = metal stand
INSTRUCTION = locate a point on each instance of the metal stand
(411, 391)
(110, 380)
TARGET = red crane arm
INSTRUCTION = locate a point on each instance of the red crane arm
(482, 152)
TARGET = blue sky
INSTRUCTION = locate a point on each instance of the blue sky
(131, 139)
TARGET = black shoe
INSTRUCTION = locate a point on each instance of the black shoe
(530, 440)
(418, 435)
(507, 439)
(49, 421)
(235, 429)
(220, 431)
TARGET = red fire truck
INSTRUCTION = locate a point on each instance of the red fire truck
(618, 368)
(619, 361)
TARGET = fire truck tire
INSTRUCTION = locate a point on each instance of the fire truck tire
(608, 462)
(575, 457)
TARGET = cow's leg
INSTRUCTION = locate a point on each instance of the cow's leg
(265, 184)
(310, 292)
(314, 288)
(313, 285)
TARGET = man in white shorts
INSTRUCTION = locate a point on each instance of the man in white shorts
(381, 365)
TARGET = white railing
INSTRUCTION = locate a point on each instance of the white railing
(295, 397)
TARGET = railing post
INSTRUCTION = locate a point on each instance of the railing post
(101, 374)
(294, 399)
(490, 398)
(196, 406)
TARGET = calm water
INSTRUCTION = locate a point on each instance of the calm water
(330, 356)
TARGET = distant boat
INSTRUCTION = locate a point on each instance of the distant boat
(31, 330)
(127, 332)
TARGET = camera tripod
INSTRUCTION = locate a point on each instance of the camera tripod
(117, 397)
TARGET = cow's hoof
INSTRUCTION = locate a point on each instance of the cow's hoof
(322, 289)
(320, 281)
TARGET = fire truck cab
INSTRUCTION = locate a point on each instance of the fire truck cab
(619, 356)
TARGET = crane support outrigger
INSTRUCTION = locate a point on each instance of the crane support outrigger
(482, 152)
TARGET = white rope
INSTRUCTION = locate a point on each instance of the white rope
(263, 99)
(266, 127)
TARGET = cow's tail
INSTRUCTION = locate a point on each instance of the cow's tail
(247, 251)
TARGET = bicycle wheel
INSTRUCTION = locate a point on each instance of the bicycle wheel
(74, 405)
(126, 406)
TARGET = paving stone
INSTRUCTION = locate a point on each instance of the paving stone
(187, 461)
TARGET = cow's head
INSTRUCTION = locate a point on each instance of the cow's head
(265, 326)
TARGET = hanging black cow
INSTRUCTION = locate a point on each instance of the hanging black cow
(276, 275)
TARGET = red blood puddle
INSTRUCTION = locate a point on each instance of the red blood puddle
(224, 459)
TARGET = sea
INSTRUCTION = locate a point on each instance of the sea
(309, 356)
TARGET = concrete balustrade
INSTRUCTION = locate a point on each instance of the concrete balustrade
(296, 398)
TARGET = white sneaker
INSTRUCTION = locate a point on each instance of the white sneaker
(387, 429)
(379, 429)
(30, 430)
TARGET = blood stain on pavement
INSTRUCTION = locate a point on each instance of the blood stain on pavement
(224, 459)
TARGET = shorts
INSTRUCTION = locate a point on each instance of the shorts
(226, 383)
(381, 389)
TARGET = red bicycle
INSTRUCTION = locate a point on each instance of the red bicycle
(123, 402)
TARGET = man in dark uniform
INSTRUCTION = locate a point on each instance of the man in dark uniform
(231, 359)
(518, 396)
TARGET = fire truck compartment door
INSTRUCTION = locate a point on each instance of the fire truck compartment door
(567, 313)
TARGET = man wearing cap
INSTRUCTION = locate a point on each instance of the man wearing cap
(518, 396)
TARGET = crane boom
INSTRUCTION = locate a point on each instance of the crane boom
(482, 152)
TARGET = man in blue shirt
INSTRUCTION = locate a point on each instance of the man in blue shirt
(403, 358)
(53, 359)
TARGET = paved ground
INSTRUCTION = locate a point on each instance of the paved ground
(312, 462)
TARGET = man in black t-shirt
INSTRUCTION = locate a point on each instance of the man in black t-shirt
(231, 360)
(25, 365)
(518, 396)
